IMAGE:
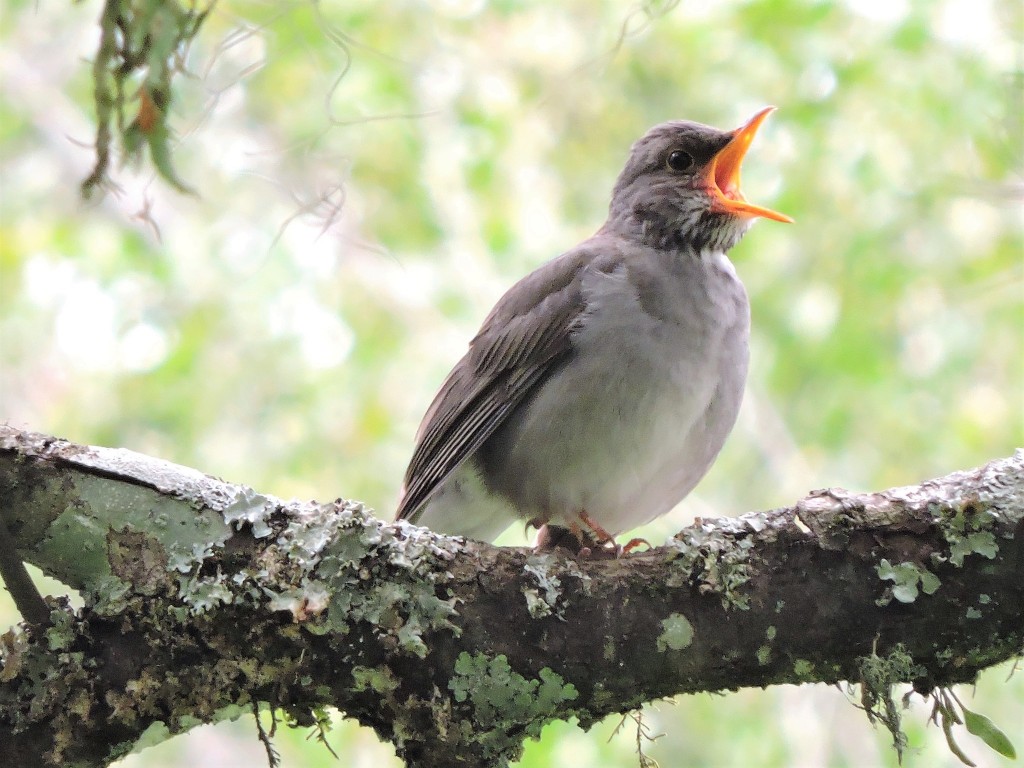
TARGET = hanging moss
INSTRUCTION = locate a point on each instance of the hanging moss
(142, 47)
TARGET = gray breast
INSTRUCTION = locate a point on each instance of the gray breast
(635, 416)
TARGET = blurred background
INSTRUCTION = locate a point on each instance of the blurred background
(372, 176)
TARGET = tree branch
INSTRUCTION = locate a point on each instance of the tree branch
(203, 598)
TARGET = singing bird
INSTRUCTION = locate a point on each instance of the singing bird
(602, 386)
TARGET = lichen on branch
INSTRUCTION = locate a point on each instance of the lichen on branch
(204, 600)
(142, 47)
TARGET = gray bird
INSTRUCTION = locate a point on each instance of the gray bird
(602, 386)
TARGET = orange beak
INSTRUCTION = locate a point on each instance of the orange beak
(723, 174)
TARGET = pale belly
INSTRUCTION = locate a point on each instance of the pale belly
(630, 425)
(623, 442)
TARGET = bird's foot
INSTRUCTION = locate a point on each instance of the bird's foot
(607, 541)
(586, 539)
(575, 541)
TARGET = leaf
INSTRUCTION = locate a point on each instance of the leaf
(987, 731)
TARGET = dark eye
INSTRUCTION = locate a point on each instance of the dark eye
(679, 160)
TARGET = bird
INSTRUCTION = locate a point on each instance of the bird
(602, 386)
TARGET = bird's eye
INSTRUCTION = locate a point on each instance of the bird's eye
(679, 161)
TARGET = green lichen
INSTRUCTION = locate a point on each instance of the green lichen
(764, 653)
(380, 680)
(42, 678)
(973, 613)
(803, 669)
(908, 580)
(967, 530)
(609, 648)
(60, 635)
(677, 633)
(504, 704)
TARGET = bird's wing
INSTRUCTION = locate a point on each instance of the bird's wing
(526, 336)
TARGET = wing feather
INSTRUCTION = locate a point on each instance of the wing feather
(526, 336)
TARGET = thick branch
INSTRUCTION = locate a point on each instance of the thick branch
(203, 597)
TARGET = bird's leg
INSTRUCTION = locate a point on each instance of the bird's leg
(607, 541)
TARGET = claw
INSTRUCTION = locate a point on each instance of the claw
(603, 537)
(632, 544)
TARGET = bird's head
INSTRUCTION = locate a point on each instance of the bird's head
(681, 187)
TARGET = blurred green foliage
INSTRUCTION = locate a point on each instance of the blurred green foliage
(372, 176)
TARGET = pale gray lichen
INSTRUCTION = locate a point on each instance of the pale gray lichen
(543, 600)
(676, 634)
(536, 606)
(203, 594)
(403, 608)
(248, 507)
(908, 579)
(715, 556)
(333, 565)
(303, 602)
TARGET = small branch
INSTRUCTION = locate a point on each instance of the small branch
(202, 597)
(27, 600)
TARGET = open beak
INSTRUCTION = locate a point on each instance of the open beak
(723, 174)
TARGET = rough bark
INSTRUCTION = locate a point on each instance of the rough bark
(205, 599)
